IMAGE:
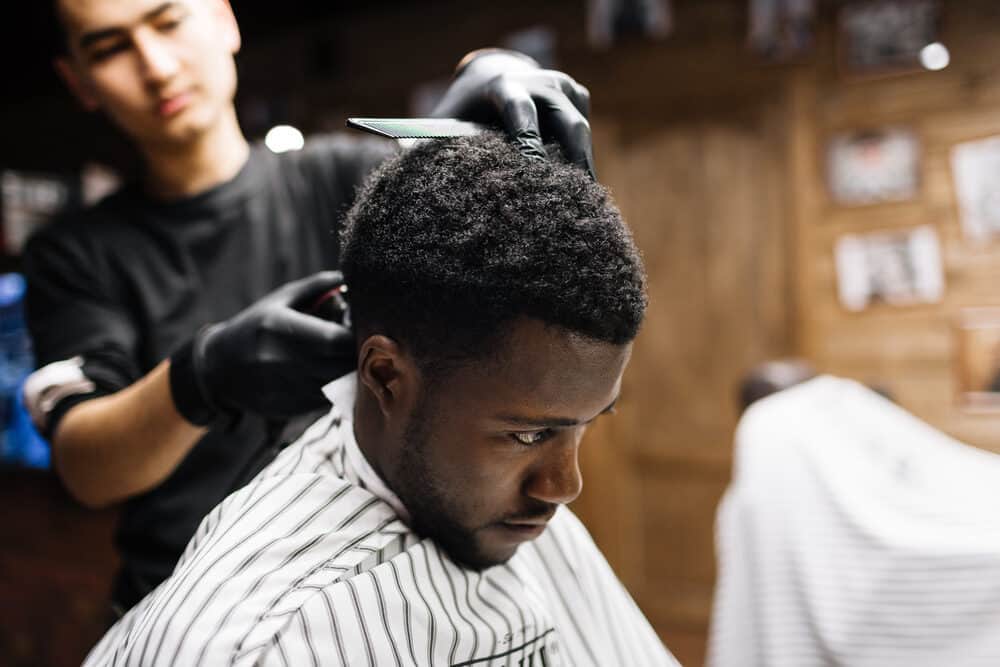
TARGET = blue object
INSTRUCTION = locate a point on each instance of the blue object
(20, 443)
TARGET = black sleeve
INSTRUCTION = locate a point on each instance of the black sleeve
(72, 310)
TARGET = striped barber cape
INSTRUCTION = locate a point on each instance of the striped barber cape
(313, 564)
(855, 534)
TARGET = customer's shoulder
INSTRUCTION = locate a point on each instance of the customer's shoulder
(319, 450)
(256, 559)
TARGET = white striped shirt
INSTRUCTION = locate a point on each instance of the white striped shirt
(311, 564)
(855, 534)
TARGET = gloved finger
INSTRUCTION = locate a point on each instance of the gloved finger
(518, 115)
(574, 91)
(305, 291)
(313, 337)
(568, 126)
(466, 97)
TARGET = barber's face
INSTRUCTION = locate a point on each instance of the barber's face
(491, 452)
(162, 70)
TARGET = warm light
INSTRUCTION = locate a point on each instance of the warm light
(935, 56)
(281, 138)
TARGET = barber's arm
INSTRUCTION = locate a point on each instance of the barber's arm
(530, 103)
(112, 447)
(270, 359)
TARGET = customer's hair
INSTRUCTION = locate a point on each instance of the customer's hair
(452, 241)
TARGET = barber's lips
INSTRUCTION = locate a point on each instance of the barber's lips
(168, 106)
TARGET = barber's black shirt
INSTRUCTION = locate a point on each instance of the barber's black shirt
(125, 283)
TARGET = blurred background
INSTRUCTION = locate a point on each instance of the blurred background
(810, 179)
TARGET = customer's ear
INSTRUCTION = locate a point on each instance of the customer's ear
(390, 374)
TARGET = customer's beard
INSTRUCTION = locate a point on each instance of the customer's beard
(431, 506)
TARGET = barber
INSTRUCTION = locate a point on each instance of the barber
(173, 319)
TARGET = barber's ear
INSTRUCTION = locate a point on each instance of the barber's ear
(390, 374)
(75, 84)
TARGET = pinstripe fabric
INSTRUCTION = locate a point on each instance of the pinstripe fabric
(855, 534)
(307, 566)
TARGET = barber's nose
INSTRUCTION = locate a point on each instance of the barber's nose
(556, 479)
(159, 63)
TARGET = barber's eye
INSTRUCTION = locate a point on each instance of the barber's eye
(168, 25)
(104, 52)
(532, 437)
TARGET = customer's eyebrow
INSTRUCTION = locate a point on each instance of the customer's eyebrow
(88, 39)
(551, 422)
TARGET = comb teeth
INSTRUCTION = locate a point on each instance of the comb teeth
(417, 128)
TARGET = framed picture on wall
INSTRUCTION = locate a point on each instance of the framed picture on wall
(782, 30)
(977, 359)
(879, 37)
(898, 268)
(871, 166)
(609, 21)
(975, 168)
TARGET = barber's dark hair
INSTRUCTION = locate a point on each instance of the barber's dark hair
(451, 241)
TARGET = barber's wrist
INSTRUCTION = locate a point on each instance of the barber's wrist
(187, 387)
(512, 57)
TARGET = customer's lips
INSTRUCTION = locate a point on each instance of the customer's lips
(526, 529)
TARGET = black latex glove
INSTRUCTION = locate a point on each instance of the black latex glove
(529, 102)
(270, 359)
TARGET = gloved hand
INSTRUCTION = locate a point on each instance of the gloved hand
(530, 102)
(270, 359)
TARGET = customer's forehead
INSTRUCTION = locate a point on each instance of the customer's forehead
(540, 367)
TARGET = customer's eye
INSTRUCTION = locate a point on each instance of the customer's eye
(532, 437)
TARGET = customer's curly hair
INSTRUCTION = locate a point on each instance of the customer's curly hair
(451, 241)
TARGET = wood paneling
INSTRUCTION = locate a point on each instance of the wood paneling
(909, 351)
(56, 564)
(706, 167)
(703, 196)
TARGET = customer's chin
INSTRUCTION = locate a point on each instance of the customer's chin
(481, 554)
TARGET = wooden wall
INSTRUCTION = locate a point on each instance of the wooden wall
(702, 198)
(716, 307)
(911, 350)
(692, 139)
(56, 564)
